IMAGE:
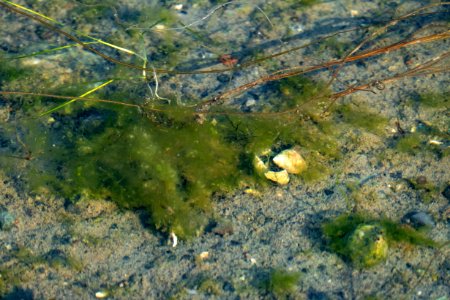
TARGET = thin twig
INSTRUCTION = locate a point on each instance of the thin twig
(293, 71)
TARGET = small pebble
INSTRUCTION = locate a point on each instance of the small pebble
(224, 229)
(250, 102)
(281, 177)
(291, 161)
(223, 78)
(102, 294)
(6, 220)
(446, 192)
(204, 255)
(419, 219)
(354, 12)
(421, 180)
(178, 6)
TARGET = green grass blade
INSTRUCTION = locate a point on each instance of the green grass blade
(75, 99)
(31, 11)
(48, 51)
(82, 34)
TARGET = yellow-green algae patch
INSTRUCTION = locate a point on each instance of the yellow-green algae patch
(364, 240)
(159, 158)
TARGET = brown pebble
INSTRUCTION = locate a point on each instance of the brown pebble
(421, 180)
(223, 229)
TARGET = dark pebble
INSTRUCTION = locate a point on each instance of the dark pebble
(235, 243)
(421, 180)
(186, 257)
(223, 229)
(149, 265)
(228, 287)
(418, 219)
(446, 192)
(328, 192)
(316, 295)
(19, 293)
(204, 94)
(396, 175)
(56, 257)
(64, 240)
(223, 78)
(6, 220)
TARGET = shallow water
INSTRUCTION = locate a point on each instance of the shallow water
(380, 151)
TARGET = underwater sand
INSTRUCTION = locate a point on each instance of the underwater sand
(62, 250)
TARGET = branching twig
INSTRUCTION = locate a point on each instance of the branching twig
(294, 71)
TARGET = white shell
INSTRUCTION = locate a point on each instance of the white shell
(281, 177)
(101, 294)
(291, 161)
(174, 239)
(259, 165)
(204, 255)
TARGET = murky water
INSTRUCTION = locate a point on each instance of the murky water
(138, 138)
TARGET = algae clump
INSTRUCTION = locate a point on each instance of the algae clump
(364, 240)
(282, 283)
(164, 163)
(160, 158)
(435, 100)
(368, 245)
(362, 117)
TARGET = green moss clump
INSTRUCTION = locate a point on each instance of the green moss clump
(282, 283)
(367, 245)
(362, 118)
(317, 168)
(435, 100)
(299, 91)
(410, 143)
(92, 11)
(359, 238)
(420, 141)
(427, 190)
(162, 161)
(335, 45)
(165, 162)
(8, 280)
(10, 71)
(295, 4)
(256, 135)
(209, 287)
(400, 233)
(25, 256)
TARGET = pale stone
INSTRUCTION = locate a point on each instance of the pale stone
(101, 294)
(204, 255)
(281, 177)
(291, 161)
(259, 165)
